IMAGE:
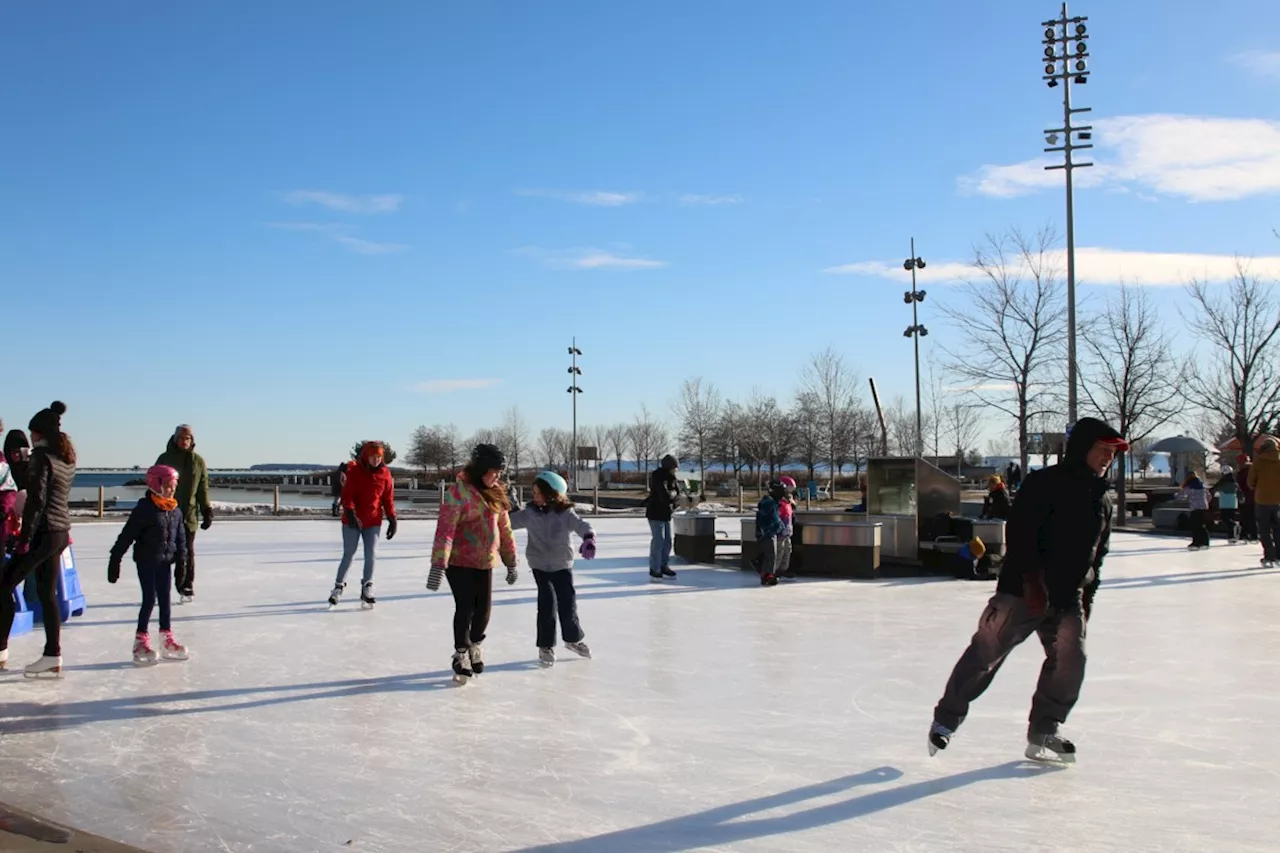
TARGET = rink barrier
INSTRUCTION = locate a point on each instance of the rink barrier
(70, 596)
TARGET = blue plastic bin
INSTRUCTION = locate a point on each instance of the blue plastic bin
(23, 621)
(70, 596)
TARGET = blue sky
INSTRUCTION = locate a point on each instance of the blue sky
(294, 224)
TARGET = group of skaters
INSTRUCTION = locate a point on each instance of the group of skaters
(473, 538)
(1248, 502)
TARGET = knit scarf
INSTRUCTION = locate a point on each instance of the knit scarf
(164, 504)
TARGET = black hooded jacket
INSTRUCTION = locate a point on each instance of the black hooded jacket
(1059, 528)
(16, 439)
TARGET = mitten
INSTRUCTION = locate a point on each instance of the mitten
(207, 512)
(588, 548)
(113, 570)
(391, 528)
(512, 574)
(350, 520)
(24, 546)
(434, 577)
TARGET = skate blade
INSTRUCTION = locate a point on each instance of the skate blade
(365, 605)
(50, 674)
(175, 658)
(1044, 755)
(546, 664)
(142, 664)
(460, 679)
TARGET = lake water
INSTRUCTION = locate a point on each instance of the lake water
(85, 488)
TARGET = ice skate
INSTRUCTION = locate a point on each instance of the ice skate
(546, 657)
(579, 648)
(186, 595)
(4, 659)
(477, 658)
(461, 666)
(667, 573)
(939, 738)
(1050, 748)
(366, 597)
(171, 649)
(49, 666)
(768, 580)
(336, 595)
(655, 577)
(143, 653)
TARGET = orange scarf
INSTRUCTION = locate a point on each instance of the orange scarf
(164, 504)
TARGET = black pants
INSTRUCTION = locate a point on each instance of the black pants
(556, 592)
(1199, 528)
(184, 576)
(472, 602)
(45, 559)
(1227, 517)
(1249, 521)
(154, 580)
(1005, 623)
(1268, 529)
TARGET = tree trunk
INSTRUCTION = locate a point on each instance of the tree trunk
(1122, 516)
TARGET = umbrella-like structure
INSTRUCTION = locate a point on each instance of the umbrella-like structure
(1178, 444)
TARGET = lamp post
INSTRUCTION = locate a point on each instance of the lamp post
(1066, 55)
(916, 330)
(574, 391)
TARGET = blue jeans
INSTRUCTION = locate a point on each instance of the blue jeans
(659, 546)
(351, 537)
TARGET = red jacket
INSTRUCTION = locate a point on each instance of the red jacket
(369, 493)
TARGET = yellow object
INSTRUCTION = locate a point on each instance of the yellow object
(994, 481)
(977, 548)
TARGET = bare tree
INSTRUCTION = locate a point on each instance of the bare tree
(1238, 379)
(1013, 315)
(618, 439)
(727, 440)
(434, 448)
(1129, 373)
(902, 427)
(644, 439)
(963, 424)
(697, 411)
(553, 445)
(515, 436)
(809, 444)
(1001, 446)
(830, 386)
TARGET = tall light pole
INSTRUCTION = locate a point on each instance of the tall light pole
(1066, 55)
(574, 391)
(917, 331)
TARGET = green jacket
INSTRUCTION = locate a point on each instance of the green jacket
(193, 482)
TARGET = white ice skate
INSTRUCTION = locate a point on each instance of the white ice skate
(366, 597)
(143, 653)
(4, 659)
(49, 666)
(171, 649)
(1051, 749)
(546, 657)
(477, 658)
(580, 648)
(336, 595)
(461, 666)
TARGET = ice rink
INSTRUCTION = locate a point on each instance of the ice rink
(716, 715)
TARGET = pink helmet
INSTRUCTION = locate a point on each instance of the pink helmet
(788, 482)
(158, 476)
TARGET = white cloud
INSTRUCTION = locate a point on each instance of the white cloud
(590, 259)
(444, 386)
(1094, 265)
(1264, 63)
(346, 203)
(696, 200)
(594, 198)
(1198, 158)
(339, 235)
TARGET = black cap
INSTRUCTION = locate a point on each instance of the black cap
(487, 457)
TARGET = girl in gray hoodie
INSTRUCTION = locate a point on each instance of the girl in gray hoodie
(549, 520)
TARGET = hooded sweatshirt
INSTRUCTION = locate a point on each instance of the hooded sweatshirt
(16, 439)
(1059, 528)
(1228, 492)
(1264, 478)
(550, 549)
(193, 481)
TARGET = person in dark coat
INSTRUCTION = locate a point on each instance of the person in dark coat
(659, 506)
(193, 500)
(996, 503)
(46, 532)
(336, 481)
(155, 531)
(1058, 534)
(17, 450)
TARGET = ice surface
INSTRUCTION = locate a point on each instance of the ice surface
(716, 715)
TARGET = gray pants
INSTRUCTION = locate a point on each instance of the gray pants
(768, 556)
(351, 539)
(784, 555)
(1005, 623)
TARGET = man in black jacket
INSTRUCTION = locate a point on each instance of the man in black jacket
(1058, 533)
(658, 508)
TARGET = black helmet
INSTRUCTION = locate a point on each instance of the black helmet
(488, 457)
(777, 490)
(670, 462)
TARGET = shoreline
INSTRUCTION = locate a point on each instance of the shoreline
(23, 832)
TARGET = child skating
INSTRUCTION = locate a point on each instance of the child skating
(768, 529)
(155, 530)
(786, 513)
(1228, 492)
(472, 535)
(550, 520)
(367, 493)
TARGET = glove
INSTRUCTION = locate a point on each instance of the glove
(588, 548)
(391, 528)
(207, 520)
(23, 547)
(512, 574)
(434, 577)
(513, 497)
(349, 519)
(113, 570)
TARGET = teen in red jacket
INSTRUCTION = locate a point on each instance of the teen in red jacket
(368, 493)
